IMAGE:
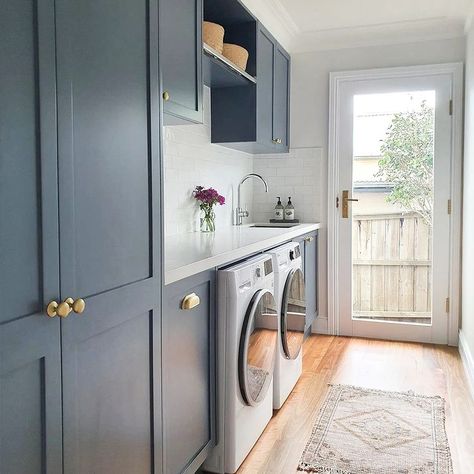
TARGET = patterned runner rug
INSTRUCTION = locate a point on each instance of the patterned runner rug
(364, 431)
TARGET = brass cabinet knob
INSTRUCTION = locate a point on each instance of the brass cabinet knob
(166, 96)
(64, 309)
(54, 309)
(277, 141)
(190, 301)
(79, 306)
(51, 309)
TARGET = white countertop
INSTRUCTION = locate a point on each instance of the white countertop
(191, 253)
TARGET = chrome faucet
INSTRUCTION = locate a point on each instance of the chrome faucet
(239, 212)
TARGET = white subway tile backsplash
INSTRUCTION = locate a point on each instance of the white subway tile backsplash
(298, 176)
(191, 160)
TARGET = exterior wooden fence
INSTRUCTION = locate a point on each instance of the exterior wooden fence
(391, 267)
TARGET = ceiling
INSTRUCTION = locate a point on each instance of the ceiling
(328, 24)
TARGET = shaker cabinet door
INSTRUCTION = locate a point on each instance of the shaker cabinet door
(188, 372)
(281, 98)
(109, 231)
(181, 60)
(30, 370)
(265, 82)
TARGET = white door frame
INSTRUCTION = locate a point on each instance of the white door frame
(336, 79)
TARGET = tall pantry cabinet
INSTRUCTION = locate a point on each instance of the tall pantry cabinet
(79, 237)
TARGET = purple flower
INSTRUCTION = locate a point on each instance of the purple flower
(208, 197)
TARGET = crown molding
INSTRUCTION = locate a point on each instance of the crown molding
(379, 35)
(275, 17)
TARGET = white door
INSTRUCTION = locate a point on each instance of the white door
(392, 193)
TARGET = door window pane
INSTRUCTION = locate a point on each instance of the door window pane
(393, 150)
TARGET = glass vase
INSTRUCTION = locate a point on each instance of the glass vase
(208, 221)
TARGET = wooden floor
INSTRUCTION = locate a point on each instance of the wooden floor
(426, 369)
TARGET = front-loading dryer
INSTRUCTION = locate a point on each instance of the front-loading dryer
(247, 341)
(291, 303)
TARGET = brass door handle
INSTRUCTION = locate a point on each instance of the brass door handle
(64, 309)
(190, 301)
(345, 203)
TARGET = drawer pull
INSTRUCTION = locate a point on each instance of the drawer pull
(309, 239)
(190, 301)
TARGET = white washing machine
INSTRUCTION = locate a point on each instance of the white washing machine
(247, 339)
(291, 303)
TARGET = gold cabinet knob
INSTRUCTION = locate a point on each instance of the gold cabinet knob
(277, 141)
(79, 306)
(64, 308)
(166, 96)
(190, 301)
(51, 309)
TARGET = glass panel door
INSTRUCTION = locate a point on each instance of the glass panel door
(394, 179)
(392, 219)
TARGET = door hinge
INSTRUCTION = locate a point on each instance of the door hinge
(451, 107)
(449, 206)
(337, 202)
(447, 305)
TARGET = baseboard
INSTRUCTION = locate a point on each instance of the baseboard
(320, 325)
(468, 361)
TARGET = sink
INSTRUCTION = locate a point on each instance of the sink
(276, 225)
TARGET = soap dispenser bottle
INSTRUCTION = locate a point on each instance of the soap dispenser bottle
(289, 211)
(279, 210)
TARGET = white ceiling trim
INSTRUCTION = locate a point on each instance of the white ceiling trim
(276, 18)
(379, 35)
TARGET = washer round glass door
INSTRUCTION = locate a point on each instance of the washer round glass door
(293, 314)
(258, 347)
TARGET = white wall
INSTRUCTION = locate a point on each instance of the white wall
(467, 303)
(310, 79)
(310, 103)
(191, 160)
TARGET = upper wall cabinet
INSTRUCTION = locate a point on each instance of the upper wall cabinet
(281, 95)
(181, 60)
(255, 117)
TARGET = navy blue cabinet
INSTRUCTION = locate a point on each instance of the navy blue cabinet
(79, 218)
(309, 250)
(109, 231)
(30, 370)
(281, 103)
(181, 60)
(188, 367)
(255, 117)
